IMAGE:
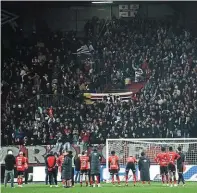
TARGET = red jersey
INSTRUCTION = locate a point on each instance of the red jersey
(26, 162)
(162, 159)
(113, 162)
(20, 163)
(173, 156)
(131, 159)
(84, 162)
(60, 161)
(51, 162)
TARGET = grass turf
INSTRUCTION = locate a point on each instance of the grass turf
(191, 187)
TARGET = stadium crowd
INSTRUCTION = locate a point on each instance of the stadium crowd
(165, 107)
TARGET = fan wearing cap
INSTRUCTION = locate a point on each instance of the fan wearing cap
(9, 168)
(20, 167)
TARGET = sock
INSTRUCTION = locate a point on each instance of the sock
(170, 180)
(162, 178)
(182, 177)
(174, 178)
(18, 181)
(112, 179)
(126, 178)
(143, 182)
(98, 178)
(81, 177)
(21, 180)
(86, 178)
(179, 179)
(167, 178)
(91, 180)
(63, 182)
(118, 179)
(134, 178)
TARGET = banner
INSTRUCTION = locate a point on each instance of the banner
(36, 154)
(128, 10)
(92, 97)
(190, 173)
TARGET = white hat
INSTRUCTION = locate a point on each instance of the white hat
(10, 152)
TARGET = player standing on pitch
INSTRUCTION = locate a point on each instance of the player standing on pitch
(144, 168)
(20, 167)
(88, 169)
(114, 167)
(95, 159)
(51, 166)
(26, 168)
(131, 161)
(60, 161)
(84, 159)
(67, 170)
(180, 166)
(172, 156)
(162, 159)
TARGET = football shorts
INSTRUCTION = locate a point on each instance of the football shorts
(171, 167)
(163, 170)
(130, 166)
(85, 172)
(113, 171)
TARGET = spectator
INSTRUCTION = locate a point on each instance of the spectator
(9, 168)
(77, 169)
(165, 107)
(85, 137)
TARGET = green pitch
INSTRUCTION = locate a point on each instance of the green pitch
(106, 188)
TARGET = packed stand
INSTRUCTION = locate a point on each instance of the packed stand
(166, 107)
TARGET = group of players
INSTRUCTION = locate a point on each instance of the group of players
(90, 167)
(166, 159)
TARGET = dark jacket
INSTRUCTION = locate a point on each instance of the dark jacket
(144, 168)
(67, 168)
(71, 157)
(10, 161)
(77, 164)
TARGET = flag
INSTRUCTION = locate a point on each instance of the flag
(87, 50)
(90, 98)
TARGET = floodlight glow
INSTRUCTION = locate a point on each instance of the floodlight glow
(99, 2)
